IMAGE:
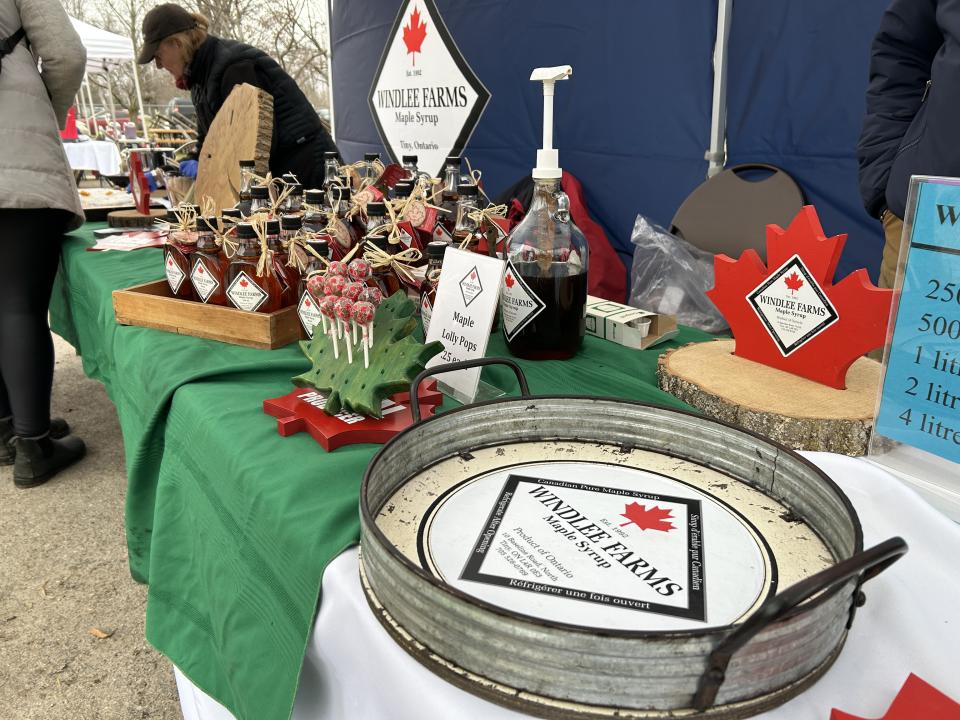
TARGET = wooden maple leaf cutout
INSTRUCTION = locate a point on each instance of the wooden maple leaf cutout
(413, 34)
(655, 518)
(862, 308)
(396, 358)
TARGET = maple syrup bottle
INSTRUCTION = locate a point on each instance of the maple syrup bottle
(246, 182)
(176, 263)
(307, 309)
(410, 166)
(465, 226)
(209, 266)
(428, 288)
(544, 293)
(288, 289)
(245, 290)
(449, 196)
(293, 203)
(259, 199)
(290, 226)
(369, 172)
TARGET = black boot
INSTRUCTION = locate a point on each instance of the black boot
(39, 459)
(58, 429)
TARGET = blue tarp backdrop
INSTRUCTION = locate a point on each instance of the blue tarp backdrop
(633, 122)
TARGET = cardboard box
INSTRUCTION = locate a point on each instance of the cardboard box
(629, 326)
(151, 305)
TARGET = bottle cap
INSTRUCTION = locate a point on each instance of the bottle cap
(340, 191)
(289, 178)
(260, 192)
(468, 189)
(376, 208)
(330, 155)
(370, 157)
(321, 247)
(452, 160)
(402, 189)
(291, 222)
(381, 242)
(248, 163)
(313, 197)
(436, 249)
(295, 189)
(245, 231)
(273, 227)
(231, 213)
(409, 159)
(210, 224)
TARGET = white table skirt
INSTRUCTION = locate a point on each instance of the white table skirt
(100, 155)
(353, 670)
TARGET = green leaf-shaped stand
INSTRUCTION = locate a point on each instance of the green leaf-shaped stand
(395, 359)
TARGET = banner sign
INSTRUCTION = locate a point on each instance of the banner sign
(425, 99)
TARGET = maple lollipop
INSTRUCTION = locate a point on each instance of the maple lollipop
(337, 267)
(315, 286)
(343, 308)
(372, 295)
(327, 308)
(362, 315)
(360, 270)
(334, 284)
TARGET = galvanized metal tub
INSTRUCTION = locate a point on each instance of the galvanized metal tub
(556, 669)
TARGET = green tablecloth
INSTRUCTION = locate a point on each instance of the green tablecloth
(229, 523)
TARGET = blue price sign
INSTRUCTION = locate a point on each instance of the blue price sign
(920, 403)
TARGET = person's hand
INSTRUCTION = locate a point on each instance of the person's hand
(188, 168)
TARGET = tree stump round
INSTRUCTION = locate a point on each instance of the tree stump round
(134, 218)
(794, 411)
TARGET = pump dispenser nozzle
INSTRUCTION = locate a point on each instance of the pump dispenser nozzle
(547, 158)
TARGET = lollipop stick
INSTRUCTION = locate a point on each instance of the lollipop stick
(366, 349)
(370, 334)
(353, 326)
(324, 318)
(336, 345)
(346, 332)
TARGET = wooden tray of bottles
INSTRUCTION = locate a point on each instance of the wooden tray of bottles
(152, 305)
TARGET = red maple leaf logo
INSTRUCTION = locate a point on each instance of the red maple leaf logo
(655, 518)
(413, 34)
(862, 308)
(307, 302)
(793, 281)
(243, 283)
(473, 276)
(200, 269)
(509, 280)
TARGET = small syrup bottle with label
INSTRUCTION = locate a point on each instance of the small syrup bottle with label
(246, 182)
(176, 262)
(209, 266)
(245, 289)
(450, 195)
(284, 274)
(307, 308)
(259, 199)
(428, 288)
(383, 276)
(465, 227)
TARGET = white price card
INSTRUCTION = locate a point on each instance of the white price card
(467, 298)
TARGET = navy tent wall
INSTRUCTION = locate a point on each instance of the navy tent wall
(796, 80)
(633, 122)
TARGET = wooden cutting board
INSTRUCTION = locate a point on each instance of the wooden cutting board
(242, 130)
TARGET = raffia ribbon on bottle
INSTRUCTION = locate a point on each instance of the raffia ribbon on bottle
(400, 263)
(183, 231)
(222, 229)
(419, 194)
(481, 218)
(298, 251)
(265, 263)
(279, 190)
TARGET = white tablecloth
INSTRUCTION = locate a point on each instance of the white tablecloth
(100, 155)
(911, 623)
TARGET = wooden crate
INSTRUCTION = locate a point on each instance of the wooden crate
(152, 305)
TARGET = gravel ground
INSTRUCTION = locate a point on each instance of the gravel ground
(63, 573)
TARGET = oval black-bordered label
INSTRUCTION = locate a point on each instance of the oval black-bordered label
(599, 546)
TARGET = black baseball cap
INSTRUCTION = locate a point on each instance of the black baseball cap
(160, 23)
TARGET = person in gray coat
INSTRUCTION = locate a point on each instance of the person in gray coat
(41, 67)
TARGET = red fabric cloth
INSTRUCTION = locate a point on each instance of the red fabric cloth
(69, 132)
(606, 275)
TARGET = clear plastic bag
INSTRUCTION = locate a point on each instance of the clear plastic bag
(671, 276)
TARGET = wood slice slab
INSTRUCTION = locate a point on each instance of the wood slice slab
(794, 411)
(241, 130)
(134, 218)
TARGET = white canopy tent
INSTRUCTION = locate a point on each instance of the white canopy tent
(106, 49)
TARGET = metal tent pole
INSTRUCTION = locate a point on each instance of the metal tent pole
(333, 123)
(113, 107)
(716, 155)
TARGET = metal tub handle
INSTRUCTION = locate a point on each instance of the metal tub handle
(463, 365)
(866, 565)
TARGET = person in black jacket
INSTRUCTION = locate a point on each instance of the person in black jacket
(912, 110)
(209, 67)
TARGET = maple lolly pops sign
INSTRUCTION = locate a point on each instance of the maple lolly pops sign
(425, 99)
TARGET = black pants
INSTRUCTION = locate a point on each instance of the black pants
(29, 255)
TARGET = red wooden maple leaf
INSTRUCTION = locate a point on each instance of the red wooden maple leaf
(413, 34)
(793, 281)
(655, 518)
(509, 280)
(862, 308)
